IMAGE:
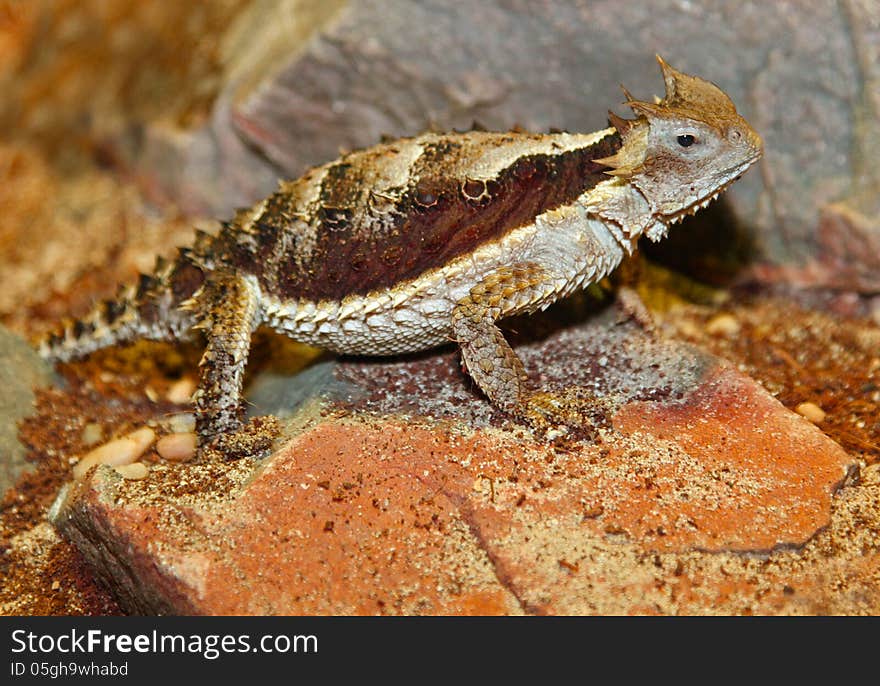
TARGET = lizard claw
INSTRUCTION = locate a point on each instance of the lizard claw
(563, 415)
(254, 439)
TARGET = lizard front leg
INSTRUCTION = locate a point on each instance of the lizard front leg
(227, 307)
(485, 353)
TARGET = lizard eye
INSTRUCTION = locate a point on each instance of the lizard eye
(686, 140)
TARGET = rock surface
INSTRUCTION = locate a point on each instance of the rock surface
(399, 490)
(20, 370)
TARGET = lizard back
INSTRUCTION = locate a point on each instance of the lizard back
(382, 216)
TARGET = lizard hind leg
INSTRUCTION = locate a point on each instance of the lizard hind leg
(227, 308)
(486, 354)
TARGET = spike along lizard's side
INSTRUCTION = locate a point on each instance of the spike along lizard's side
(416, 242)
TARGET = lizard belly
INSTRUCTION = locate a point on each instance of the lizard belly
(571, 248)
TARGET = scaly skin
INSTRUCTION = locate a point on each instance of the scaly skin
(414, 243)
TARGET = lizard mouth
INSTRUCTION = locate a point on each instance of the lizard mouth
(676, 217)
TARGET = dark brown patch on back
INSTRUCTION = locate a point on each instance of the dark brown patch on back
(186, 279)
(255, 248)
(113, 309)
(146, 283)
(439, 216)
(81, 328)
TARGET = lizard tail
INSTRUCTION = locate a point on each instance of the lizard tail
(149, 309)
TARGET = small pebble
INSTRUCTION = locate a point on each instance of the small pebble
(56, 585)
(119, 451)
(177, 447)
(181, 391)
(688, 329)
(150, 392)
(812, 412)
(723, 325)
(91, 434)
(134, 471)
(868, 339)
(182, 423)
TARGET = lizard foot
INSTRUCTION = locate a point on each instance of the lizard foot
(569, 414)
(254, 439)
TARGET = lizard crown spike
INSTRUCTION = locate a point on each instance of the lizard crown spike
(680, 151)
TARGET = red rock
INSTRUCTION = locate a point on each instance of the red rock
(760, 456)
(345, 520)
(412, 495)
(387, 517)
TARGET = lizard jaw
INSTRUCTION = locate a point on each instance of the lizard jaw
(677, 217)
(692, 210)
(733, 174)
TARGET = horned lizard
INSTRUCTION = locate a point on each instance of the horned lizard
(412, 243)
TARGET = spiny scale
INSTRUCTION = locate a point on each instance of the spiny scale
(419, 241)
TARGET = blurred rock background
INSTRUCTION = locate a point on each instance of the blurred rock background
(142, 117)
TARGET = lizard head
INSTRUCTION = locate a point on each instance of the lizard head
(683, 150)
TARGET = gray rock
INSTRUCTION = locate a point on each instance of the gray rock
(612, 364)
(805, 74)
(20, 370)
(282, 395)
